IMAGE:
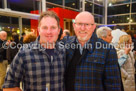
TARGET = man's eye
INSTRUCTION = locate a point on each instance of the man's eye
(53, 27)
(87, 24)
(79, 23)
(44, 27)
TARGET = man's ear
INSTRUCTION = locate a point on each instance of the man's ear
(74, 26)
(38, 29)
(59, 31)
(94, 26)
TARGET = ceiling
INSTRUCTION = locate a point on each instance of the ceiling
(30, 3)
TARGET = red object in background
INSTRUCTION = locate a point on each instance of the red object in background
(62, 13)
(135, 36)
(34, 23)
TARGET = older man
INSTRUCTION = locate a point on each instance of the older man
(3, 61)
(104, 33)
(90, 68)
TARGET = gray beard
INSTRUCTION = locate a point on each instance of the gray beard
(82, 39)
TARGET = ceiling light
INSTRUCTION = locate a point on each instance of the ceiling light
(110, 4)
(73, 4)
(131, 20)
(127, 5)
(128, 18)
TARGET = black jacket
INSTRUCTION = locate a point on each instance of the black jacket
(2, 51)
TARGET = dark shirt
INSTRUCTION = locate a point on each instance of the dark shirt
(71, 70)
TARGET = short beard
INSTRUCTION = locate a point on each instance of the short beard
(82, 39)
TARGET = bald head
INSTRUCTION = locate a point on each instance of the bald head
(3, 35)
(85, 16)
(84, 26)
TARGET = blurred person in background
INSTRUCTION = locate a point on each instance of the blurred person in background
(133, 33)
(13, 47)
(116, 33)
(3, 60)
(66, 32)
(22, 38)
(124, 51)
(31, 37)
(60, 34)
(104, 33)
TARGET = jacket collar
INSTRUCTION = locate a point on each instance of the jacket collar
(92, 41)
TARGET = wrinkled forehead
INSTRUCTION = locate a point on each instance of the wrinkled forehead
(3, 34)
(85, 17)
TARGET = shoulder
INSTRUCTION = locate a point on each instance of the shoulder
(27, 48)
(104, 45)
(69, 39)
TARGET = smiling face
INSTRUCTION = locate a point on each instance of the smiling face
(84, 26)
(48, 30)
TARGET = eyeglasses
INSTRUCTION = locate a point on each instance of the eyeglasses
(85, 24)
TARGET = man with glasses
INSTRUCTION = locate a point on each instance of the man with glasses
(93, 68)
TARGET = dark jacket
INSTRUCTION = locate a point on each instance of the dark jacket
(97, 69)
(2, 50)
(11, 52)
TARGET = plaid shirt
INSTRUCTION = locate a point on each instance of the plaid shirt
(97, 69)
(32, 67)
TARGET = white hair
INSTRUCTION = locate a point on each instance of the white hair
(102, 31)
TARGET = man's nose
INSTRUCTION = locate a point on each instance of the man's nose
(48, 31)
(83, 27)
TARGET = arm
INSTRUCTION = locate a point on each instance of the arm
(122, 56)
(112, 75)
(15, 73)
(122, 59)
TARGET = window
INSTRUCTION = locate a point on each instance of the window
(113, 2)
(26, 26)
(55, 1)
(9, 24)
(23, 5)
(133, 0)
(88, 6)
(99, 2)
(133, 7)
(98, 19)
(72, 3)
(133, 17)
(122, 9)
(98, 9)
(1, 5)
(118, 19)
(49, 5)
